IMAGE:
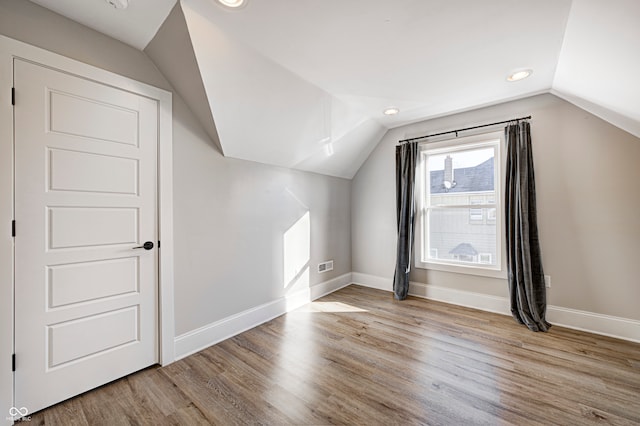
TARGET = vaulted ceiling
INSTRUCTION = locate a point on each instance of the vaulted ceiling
(303, 84)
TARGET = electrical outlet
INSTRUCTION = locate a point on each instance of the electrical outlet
(547, 281)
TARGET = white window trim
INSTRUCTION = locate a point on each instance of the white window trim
(494, 271)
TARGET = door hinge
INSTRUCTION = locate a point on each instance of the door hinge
(13, 362)
(13, 228)
(13, 96)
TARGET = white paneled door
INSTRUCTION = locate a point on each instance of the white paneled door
(86, 290)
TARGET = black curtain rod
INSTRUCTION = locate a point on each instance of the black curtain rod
(462, 130)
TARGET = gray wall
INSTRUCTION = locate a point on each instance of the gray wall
(588, 202)
(230, 215)
(230, 219)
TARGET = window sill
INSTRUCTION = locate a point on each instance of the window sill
(462, 269)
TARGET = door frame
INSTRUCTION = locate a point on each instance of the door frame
(10, 49)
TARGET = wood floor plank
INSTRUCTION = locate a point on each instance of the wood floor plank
(357, 356)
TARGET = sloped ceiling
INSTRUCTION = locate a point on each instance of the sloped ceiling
(172, 52)
(264, 112)
(599, 61)
(136, 25)
(302, 84)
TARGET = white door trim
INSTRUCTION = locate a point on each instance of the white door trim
(10, 49)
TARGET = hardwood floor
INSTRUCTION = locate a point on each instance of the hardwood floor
(359, 357)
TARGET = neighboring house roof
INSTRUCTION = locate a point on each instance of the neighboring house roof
(468, 179)
(464, 249)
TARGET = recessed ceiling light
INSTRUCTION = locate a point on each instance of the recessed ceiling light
(234, 4)
(391, 111)
(519, 75)
(118, 4)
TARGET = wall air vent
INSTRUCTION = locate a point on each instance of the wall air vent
(325, 266)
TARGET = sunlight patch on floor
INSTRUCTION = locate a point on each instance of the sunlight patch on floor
(329, 307)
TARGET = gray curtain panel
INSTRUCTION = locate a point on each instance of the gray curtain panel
(406, 161)
(524, 263)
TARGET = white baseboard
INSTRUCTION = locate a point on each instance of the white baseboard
(327, 287)
(203, 337)
(484, 302)
(607, 325)
(372, 281)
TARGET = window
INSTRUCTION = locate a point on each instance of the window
(491, 213)
(475, 215)
(460, 212)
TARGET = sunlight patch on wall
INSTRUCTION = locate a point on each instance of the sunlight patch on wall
(297, 252)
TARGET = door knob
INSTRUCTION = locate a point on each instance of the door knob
(147, 246)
